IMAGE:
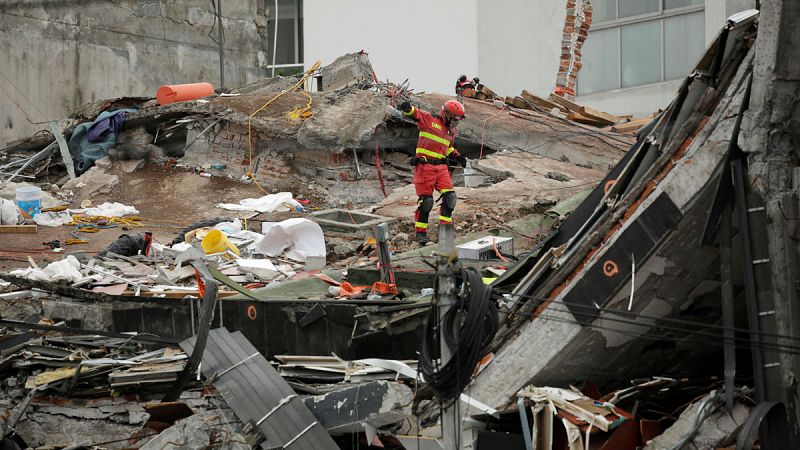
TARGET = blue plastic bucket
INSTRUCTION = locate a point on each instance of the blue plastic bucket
(29, 201)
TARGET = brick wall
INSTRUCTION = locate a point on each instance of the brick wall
(226, 144)
(576, 28)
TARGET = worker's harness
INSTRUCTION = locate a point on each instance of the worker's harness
(434, 162)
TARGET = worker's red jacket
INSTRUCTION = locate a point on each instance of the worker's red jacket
(435, 138)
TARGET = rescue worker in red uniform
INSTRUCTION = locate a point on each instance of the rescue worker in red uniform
(431, 169)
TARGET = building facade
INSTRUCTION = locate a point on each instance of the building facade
(638, 51)
(631, 62)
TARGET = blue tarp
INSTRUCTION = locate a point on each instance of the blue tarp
(103, 131)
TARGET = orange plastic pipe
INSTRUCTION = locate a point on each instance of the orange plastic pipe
(181, 92)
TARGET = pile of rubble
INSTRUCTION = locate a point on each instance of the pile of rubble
(264, 292)
(557, 106)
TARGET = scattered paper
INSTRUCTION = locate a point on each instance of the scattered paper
(303, 236)
(9, 214)
(262, 268)
(110, 210)
(282, 201)
(68, 269)
(181, 246)
(53, 218)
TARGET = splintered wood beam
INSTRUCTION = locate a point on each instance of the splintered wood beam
(599, 116)
(561, 101)
(633, 125)
(517, 102)
(17, 229)
(539, 101)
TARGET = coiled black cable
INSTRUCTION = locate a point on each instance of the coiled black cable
(467, 328)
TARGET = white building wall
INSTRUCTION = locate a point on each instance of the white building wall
(429, 42)
(639, 101)
(519, 44)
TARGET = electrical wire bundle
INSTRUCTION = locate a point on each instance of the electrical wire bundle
(467, 328)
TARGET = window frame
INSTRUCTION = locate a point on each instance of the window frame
(661, 15)
(298, 56)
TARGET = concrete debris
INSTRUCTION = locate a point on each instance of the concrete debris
(131, 165)
(705, 424)
(589, 253)
(617, 258)
(198, 431)
(557, 176)
(378, 403)
(91, 183)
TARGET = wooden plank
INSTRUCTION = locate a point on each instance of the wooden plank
(600, 116)
(517, 102)
(559, 100)
(17, 229)
(65, 154)
(486, 91)
(633, 125)
(539, 101)
(580, 118)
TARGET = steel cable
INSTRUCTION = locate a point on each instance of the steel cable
(467, 328)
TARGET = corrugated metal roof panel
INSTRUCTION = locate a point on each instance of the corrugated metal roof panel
(257, 393)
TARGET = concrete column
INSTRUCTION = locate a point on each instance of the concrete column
(772, 138)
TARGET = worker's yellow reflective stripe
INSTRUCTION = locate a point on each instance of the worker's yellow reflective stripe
(426, 152)
(434, 138)
(450, 150)
(410, 112)
(421, 225)
(445, 219)
(442, 191)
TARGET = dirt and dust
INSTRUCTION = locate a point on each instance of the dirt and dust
(167, 201)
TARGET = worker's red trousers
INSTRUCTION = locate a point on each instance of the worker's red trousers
(428, 177)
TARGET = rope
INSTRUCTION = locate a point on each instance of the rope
(483, 128)
(93, 224)
(302, 112)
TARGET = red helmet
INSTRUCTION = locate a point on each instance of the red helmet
(455, 108)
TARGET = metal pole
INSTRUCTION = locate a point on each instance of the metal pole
(221, 45)
(451, 427)
(726, 276)
(275, 39)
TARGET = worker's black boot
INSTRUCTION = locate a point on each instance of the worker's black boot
(422, 239)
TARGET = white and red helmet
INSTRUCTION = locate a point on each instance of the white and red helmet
(455, 108)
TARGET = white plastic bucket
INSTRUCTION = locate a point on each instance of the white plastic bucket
(29, 201)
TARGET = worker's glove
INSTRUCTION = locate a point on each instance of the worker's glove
(413, 161)
(392, 113)
(405, 107)
(462, 160)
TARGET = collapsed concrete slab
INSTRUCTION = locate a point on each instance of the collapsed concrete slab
(602, 289)
(704, 424)
(377, 403)
(198, 431)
